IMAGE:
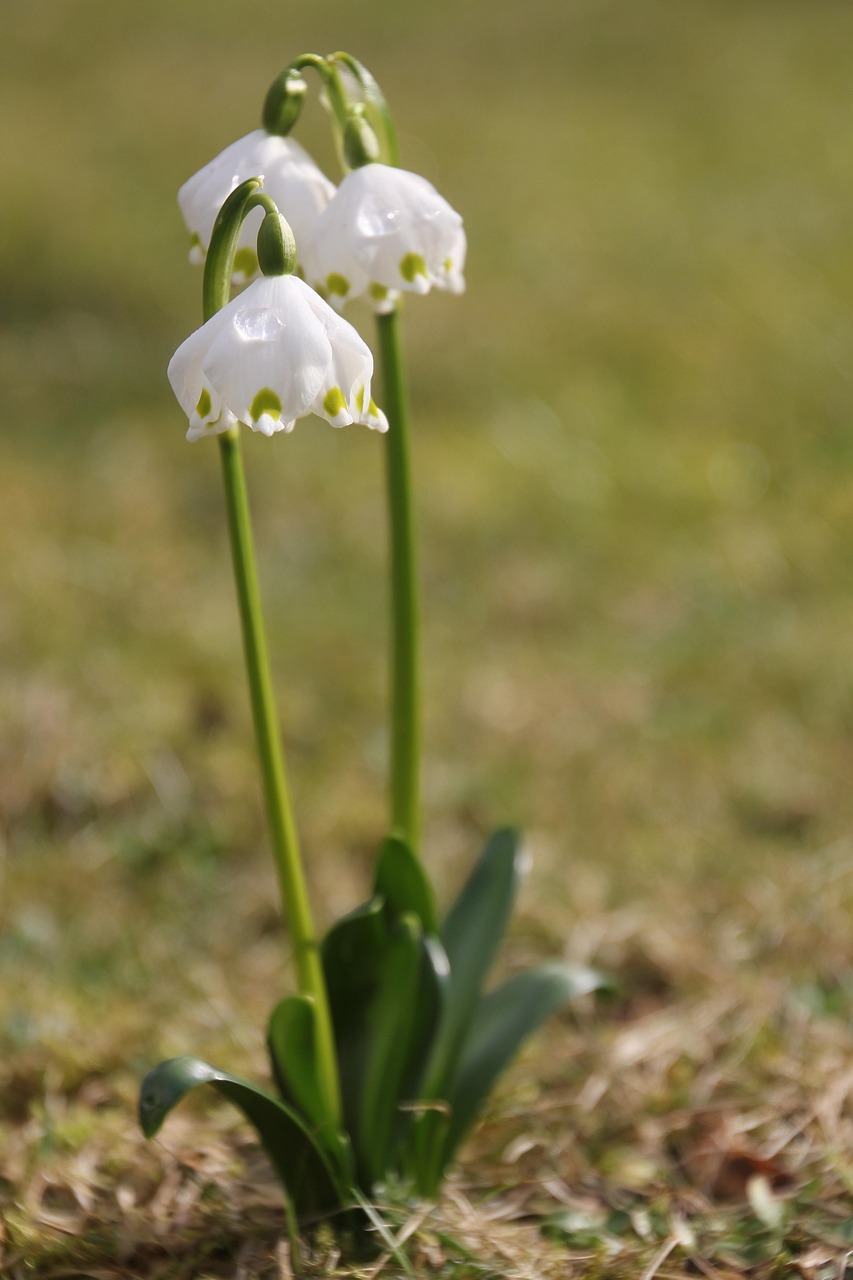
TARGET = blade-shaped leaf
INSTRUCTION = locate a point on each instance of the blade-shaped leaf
(292, 1043)
(386, 983)
(471, 934)
(308, 1176)
(422, 1157)
(389, 1021)
(353, 957)
(352, 947)
(404, 884)
(503, 1021)
(414, 1125)
(431, 999)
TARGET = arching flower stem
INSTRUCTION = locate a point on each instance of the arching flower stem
(375, 105)
(216, 287)
(285, 845)
(405, 605)
(284, 96)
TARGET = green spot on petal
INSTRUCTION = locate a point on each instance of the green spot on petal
(204, 404)
(412, 265)
(378, 292)
(448, 263)
(373, 408)
(266, 401)
(337, 285)
(245, 263)
(359, 399)
(334, 402)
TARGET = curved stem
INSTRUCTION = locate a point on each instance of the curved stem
(285, 845)
(376, 108)
(218, 264)
(281, 109)
(405, 612)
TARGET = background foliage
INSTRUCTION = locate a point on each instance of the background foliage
(635, 469)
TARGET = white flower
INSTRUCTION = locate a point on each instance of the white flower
(385, 230)
(271, 355)
(290, 177)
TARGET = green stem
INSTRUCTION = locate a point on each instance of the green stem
(376, 108)
(405, 642)
(285, 844)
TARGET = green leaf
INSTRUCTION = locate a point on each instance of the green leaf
(420, 1124)
(310, 1179)
(386, 983)
(352, 945)
(471, 934)
(431, 999)
(402, 881)
(292, 1043)
(502, 1022)
(353, 953)
(389, 1023)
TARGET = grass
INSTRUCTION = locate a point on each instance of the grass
(635, 470)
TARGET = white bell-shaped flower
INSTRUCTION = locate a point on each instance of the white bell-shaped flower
(291, 179)
(384, 231)
(274, 354)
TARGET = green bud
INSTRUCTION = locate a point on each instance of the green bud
(276, 246)
(361, 146)
(374, 105)
(283, 102)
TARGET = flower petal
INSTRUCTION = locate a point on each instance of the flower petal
(270, 356)
(347, 399)
(330, 270)
(300, 189)
(270, 342)
(199, 400)
(387, 229)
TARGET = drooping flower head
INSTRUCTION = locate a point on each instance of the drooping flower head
(274, 354)
(290, 176)
(385, 231)
(277, 351)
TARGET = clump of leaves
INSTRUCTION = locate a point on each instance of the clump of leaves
(419, 1041)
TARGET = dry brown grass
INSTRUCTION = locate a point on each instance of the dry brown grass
(700, 1124)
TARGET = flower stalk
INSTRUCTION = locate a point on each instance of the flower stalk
(405, 749)
(285, 844)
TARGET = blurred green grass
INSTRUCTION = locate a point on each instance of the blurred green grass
(632, 433)
(635, 482)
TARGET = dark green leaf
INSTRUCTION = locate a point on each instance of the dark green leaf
(431, 999)
(292, 1041)
(419, 1127)
(353, 957)
(308, 1176)
(386, 983)
(502, 1022)
(402, 881)
(352, 949)
(389, 1022)
(471, 934)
